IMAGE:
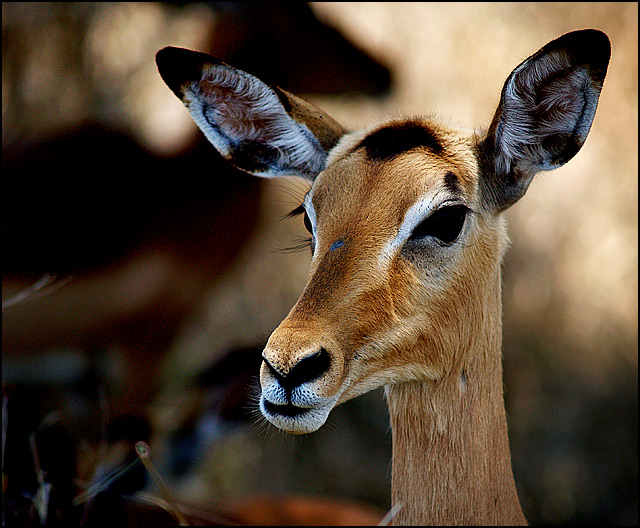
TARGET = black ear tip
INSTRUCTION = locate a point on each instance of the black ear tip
(597, 36)
(596, 40)
(164, 55)
(590, 37)
(170, 66)
(178, 66)
(588, 46)
(599, 47)
(169, 56)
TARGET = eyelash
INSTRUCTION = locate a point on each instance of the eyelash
(305, 242)
(300, 210)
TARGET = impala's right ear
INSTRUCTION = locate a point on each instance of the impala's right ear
(262, 130)
(547, 106)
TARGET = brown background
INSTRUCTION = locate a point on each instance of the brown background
(570, 279)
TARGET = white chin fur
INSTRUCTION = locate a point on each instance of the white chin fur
(308, 421)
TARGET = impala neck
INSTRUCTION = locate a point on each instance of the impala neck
(451, 458)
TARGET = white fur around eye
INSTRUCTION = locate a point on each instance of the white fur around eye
(311, 212)
(414, 215)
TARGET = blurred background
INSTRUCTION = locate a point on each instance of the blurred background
(142, 275)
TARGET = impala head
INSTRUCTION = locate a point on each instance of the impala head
(405, 216)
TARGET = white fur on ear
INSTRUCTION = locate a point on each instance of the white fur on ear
(535, 108)
(246, 122)
(547, 107)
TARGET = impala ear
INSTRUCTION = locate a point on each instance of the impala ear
(547, 106)
(262, 130)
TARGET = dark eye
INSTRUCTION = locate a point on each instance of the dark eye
(307, 223)
(445, 224)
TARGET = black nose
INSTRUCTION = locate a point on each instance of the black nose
(307, 369)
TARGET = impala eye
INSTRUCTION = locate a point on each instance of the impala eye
(307, 223)
(445, 224)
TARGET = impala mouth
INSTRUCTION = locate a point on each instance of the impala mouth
(294, 419)
(289, 409)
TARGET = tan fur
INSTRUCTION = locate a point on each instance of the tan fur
(352, 299)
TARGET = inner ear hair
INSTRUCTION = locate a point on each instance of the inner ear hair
(546, 109)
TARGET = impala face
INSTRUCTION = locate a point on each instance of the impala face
(405, 217)
(395, 221)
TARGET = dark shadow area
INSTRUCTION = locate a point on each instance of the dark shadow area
(136, 238)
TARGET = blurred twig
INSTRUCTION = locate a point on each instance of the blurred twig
(97, 486)
(102, 478)
(142, 448)
(41, 498)
(46, 285)
(386, 520)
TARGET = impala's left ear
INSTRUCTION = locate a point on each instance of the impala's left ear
(547, 106)
(265, 131)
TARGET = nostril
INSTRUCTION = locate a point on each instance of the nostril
(307, 369)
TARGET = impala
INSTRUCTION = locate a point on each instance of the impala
(407, 236)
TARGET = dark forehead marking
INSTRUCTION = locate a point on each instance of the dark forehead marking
(452, 182)
(390, 141)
